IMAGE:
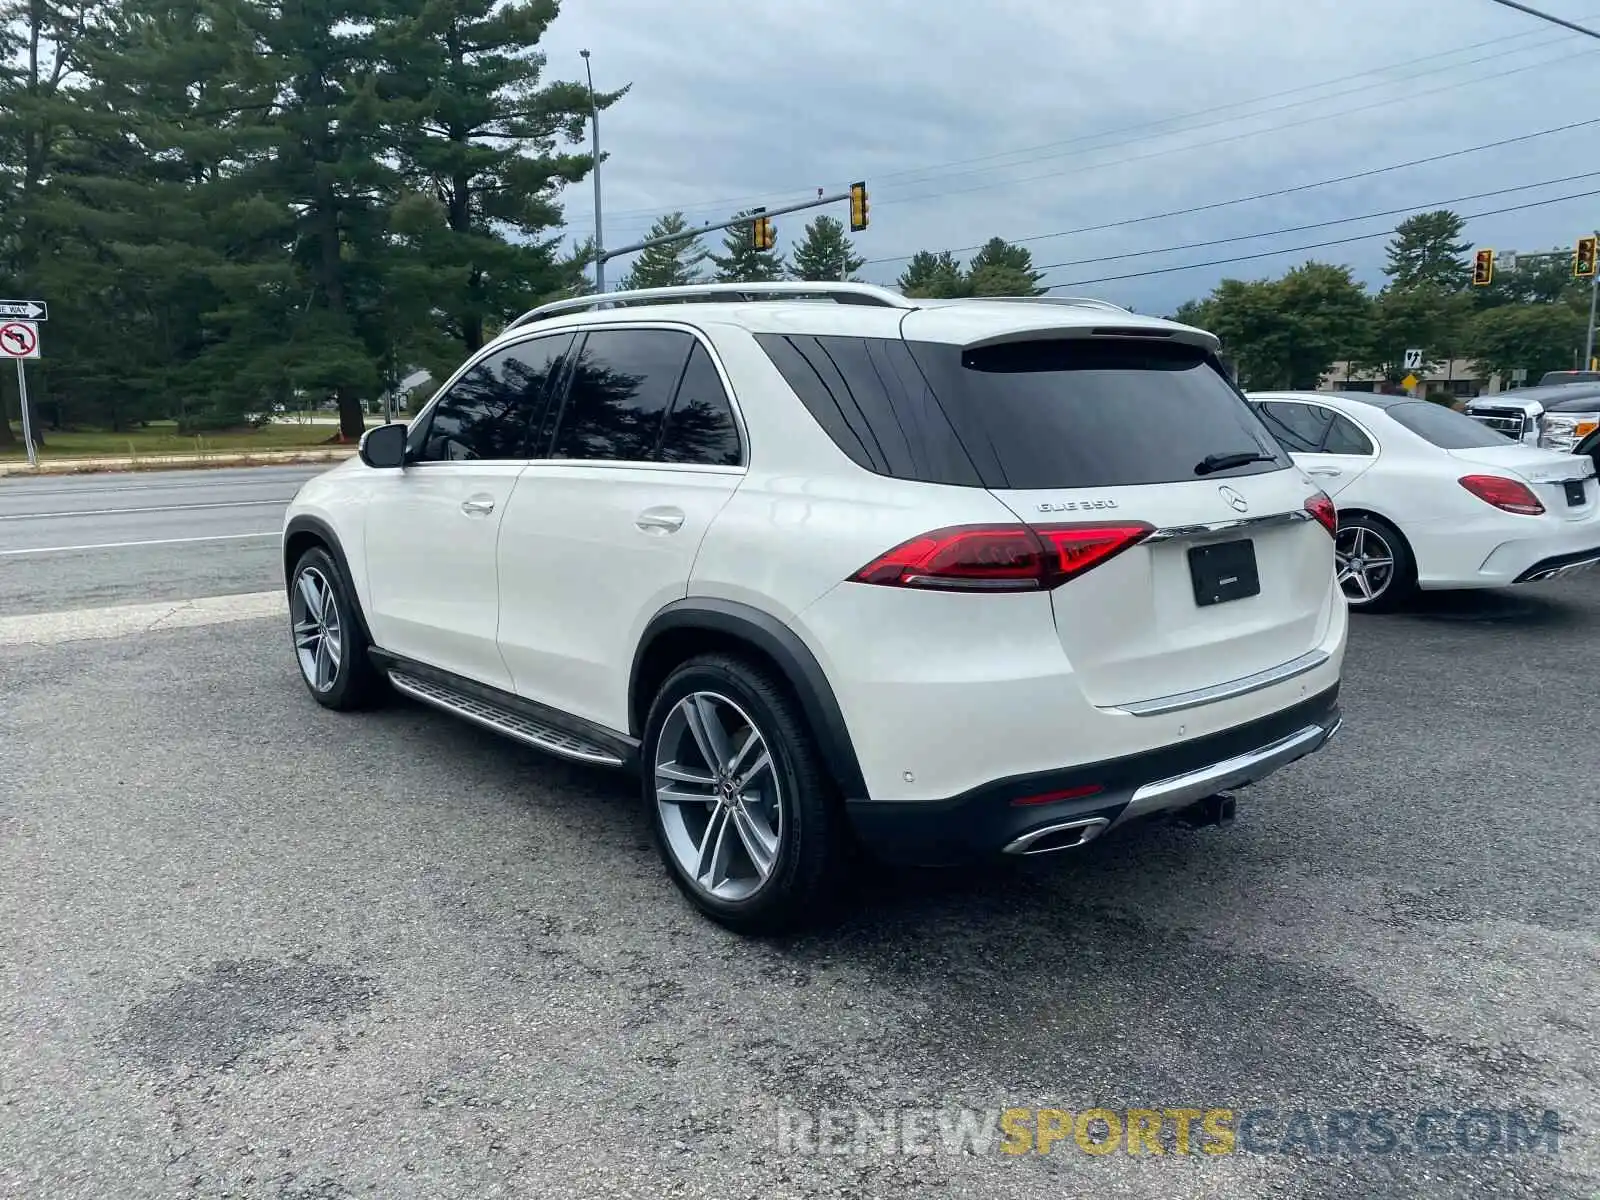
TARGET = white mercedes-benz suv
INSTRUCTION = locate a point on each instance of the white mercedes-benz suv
(832, 568)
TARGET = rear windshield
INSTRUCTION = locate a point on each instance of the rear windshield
(1444, 427)
(1073, 413)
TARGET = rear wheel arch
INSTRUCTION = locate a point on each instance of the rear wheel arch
(687, 628)
(304, 532)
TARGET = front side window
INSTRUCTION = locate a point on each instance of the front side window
(489, 412)
(622, 384)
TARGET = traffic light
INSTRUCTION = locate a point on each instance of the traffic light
(1483, 268)
(858, 207)
(1583, 265)
(763, 233)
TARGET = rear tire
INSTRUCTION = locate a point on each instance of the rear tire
(328, 644)
(1377, 572)
(744, 813)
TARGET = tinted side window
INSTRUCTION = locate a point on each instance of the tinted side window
(700, 426)
(622, 384)
(489, 411)
(1444, 427)
(870, 397)
(1298, 426)
(1343, 437)
(1057, 413)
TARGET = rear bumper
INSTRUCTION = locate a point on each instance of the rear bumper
(987, 821)
(1500, 552)
(1561, 564)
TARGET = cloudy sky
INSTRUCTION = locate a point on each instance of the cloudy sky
(1032, 119)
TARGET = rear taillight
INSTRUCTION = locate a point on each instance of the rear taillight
(1320, 506)
(1509, 495)
(1000, 558)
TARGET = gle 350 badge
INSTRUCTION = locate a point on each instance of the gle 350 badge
(1076, 505)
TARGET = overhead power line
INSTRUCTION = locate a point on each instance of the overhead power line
(1544, 16)
(1372, 216)
(1409, 65)
(1085, 168)
(1347, 241)
(1287, 191)
(1406, 81)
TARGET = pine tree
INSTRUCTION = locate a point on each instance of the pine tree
(825, 253)
(741, 262)
(1428, 249)
(933, 276)
(672, 265)
(326, 171)
(38, 65)
(1001, 268)
(479, 137)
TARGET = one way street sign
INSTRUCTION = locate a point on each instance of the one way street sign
(28, 310)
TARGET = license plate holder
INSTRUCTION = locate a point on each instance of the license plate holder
(1224, 571)
(1575, 491)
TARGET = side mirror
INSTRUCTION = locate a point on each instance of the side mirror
(384, 446)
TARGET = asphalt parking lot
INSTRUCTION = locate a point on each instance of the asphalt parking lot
(253, 949)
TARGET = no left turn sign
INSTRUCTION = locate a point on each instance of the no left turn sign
(19, 339)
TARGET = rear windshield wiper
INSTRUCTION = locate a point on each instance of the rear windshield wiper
(1224, 462)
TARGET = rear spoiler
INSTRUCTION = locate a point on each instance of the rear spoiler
(1163, 331)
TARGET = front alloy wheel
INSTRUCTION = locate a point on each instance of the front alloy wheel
(328, 642)
(1366, 563)
(318, 632)
(718, 796)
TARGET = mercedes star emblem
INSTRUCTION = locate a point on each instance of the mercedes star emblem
(1237, 502)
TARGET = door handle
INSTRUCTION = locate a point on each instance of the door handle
(1326, 471)
(667, 520)
(477, 504)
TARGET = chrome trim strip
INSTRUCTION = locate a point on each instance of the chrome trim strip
(1243, 686)
(1174, 532)
(1183, 790)
(1092, 828)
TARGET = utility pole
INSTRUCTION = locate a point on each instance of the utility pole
(594, 143)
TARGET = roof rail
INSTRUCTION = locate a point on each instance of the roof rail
(711, 293)
(1078, 301)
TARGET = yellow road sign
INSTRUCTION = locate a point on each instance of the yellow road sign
(1409, 382)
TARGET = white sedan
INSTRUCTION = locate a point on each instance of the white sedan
(1430, 498)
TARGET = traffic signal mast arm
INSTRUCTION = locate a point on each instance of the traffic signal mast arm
(749, 220)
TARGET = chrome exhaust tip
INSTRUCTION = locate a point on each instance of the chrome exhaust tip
(1067, 835)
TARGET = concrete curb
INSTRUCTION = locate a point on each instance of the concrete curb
(177, 462)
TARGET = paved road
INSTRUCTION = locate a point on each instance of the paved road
(252, 949)
(86, 540)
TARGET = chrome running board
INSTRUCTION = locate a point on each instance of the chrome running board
(503, 720)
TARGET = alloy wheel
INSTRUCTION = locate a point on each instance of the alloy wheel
(718, 797)
(1366, 563)
(318, 635)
